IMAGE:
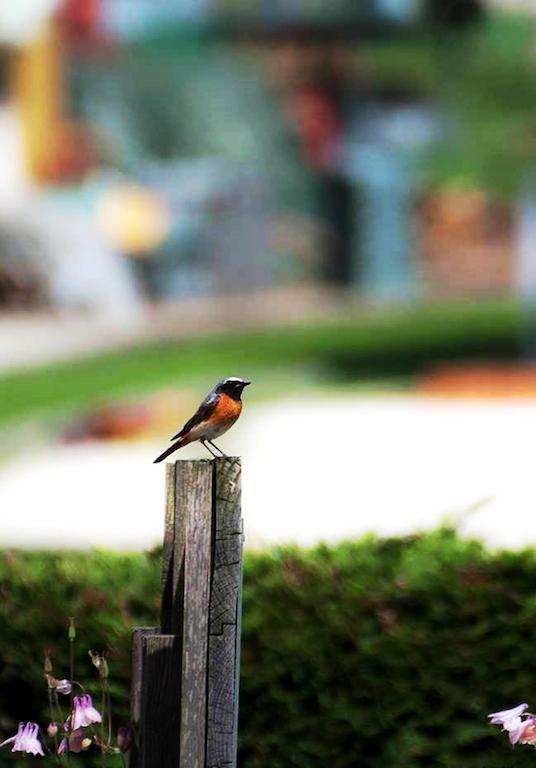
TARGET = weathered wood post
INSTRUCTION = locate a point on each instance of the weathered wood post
(185, 673)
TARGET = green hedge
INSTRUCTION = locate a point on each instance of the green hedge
(372, 653)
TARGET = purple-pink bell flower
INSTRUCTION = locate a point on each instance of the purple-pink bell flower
(526, 733)
(510, 719)
(84, 713)
(26, 740)
(520, 725)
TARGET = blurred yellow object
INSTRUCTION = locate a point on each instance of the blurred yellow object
(38, 88)
(134, 219)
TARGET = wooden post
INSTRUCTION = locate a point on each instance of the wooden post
(185, 675)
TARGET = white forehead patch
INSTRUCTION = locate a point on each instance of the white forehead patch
(234, 379)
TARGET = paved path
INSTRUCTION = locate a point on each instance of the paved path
(28, 339)
(314, 469)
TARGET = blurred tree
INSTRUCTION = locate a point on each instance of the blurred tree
(454, 13)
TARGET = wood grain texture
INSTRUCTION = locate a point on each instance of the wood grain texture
(161, 702)
(185, 676)
(224, 618)
(168, 552)
(194, 502)
(138, 650)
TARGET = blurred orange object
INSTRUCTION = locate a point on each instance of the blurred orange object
(114, 422)
(153, 415)
(494, 381)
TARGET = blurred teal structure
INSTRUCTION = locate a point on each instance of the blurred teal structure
(189, 109)
(131, 18)
(258, 132)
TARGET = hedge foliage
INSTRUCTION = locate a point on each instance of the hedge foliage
(381, 652)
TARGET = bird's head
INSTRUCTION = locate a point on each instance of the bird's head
(232, 386)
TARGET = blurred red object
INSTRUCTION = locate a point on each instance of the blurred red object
(80, 20)
(318, 124)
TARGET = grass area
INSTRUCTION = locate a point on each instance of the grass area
(375, 344)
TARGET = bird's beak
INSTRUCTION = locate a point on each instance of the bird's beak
(246, 383)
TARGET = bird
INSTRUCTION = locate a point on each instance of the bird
(216, 414)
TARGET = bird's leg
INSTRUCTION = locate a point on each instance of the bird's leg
(204, 444)
(222, 454)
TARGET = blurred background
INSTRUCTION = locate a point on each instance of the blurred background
(338, 201)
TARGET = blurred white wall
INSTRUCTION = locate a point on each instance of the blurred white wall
(13, 177)
(21, 20)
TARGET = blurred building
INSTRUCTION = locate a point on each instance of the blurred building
(208, 145)
(51, 253)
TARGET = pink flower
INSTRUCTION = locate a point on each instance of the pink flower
(510, 719)
(26, 740)
(526, 733)
(76, 742)
(84, 713)
(521, 726)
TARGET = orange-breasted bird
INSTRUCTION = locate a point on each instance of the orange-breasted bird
(216, 414)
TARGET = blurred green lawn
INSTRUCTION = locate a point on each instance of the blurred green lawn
(369, 346)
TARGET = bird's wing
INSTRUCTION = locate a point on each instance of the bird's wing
(204, 412)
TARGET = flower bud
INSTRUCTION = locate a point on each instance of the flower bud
(47, 664)
(100, 662)
(64, 686)
(60, 686)
(125, 737)
(72, 629)
(52, 729)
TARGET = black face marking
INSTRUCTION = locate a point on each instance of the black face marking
(232, 387)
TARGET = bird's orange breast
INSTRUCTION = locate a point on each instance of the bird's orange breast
(227, 411)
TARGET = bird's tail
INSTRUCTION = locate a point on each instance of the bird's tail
(170, 450)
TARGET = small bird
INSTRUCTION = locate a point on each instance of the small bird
(216, 414)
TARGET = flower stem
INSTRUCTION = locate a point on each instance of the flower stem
(61, 718)
(109, 712)
(72, 637)
(103, 705)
